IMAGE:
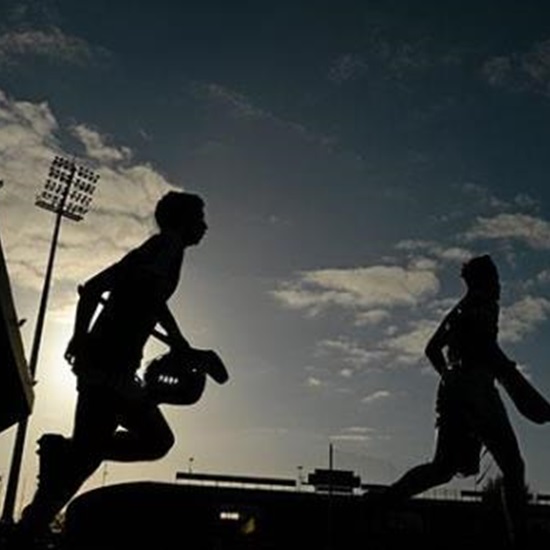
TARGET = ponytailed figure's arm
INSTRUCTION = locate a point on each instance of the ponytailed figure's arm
(437, 343)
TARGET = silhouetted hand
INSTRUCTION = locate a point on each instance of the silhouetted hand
(74, 349)
(206, 360)
(215, 367)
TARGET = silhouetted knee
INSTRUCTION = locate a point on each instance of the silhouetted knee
(513, 474)
(442, 472)
(444, 477)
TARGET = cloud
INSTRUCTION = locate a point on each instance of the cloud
(96, 147)
(372, 317)
(241, 107)
(408, 345)
(374, 296)
(346, 68)
(544, 276)
(497, 70)
(358, 289)
(534, 232)
(375, 396)
(349, 352)
(522, 71)
(358, 430)
(238, 103)
(522, 318)
(452, 254)
(120, 216)
(354, 434)
(401, 55)
(50, 44)
(314, 382)
(355, 438)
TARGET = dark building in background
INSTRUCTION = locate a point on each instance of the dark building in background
(217, 512)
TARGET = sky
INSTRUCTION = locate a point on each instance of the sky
(352, 155)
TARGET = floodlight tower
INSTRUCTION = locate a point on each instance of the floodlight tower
(67, 192)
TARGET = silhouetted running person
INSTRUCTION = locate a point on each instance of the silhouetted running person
(114, 419)
(470, 413)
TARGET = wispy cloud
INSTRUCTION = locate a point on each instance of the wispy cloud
(350, 352)
(384, 298)
(241, 107)
(314, 382)
(97, 148)
(50, 44)
(497, 70)
(523, 317)
(402, 344)
(544, 276)
(375, 396)
(347, 67)
(372, 317)
(436, 251)
(409, 343)
(358, 434)
(358, 289)
(356, 438)
(535, 232)
(521, 71)
(238, 103)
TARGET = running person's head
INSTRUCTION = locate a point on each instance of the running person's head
(481, 276)
(182, 213)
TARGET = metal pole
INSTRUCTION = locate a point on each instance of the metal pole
(20, 436)
(330, 519)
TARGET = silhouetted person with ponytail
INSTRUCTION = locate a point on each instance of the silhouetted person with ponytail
(464, 351)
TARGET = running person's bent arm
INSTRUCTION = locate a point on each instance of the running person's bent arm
(434, 351)
(436, 344)
(174, 336)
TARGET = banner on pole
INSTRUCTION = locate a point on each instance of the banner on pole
(16, 387)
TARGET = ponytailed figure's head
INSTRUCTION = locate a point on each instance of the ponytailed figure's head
(481, 276)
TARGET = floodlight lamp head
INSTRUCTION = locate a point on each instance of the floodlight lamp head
(68, 189)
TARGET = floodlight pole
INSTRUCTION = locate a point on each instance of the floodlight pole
(17, 455)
